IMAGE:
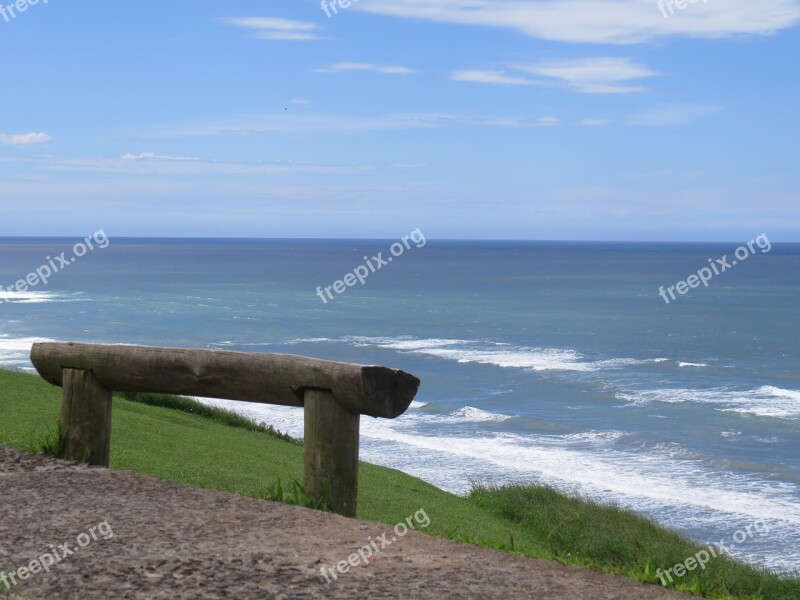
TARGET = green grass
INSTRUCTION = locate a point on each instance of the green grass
(214, 450)
(193, 407)
(608, 538)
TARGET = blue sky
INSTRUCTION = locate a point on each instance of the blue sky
(493, 119)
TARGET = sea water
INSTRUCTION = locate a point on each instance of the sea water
(543, 362)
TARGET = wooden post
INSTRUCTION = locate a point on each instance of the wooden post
(331, 450)
(86, 418)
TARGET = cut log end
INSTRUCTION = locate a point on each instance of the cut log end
(388, 392)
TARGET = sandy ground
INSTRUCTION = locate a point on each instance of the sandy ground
(171, 541)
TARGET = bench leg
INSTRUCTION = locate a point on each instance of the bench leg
(331, 451)
(86, 418)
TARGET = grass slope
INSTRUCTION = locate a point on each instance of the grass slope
(212, 450)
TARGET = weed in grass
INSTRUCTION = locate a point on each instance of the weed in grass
(54, 443)
(299, 497)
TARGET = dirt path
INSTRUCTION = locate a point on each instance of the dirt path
(173, 541)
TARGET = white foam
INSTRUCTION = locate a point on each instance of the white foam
(492, 353)
(500, 354)
(596, 437)
(403, 343)
(15, 352)
(766, 401)
(415, 404)
(668, 482)
(651, 477)
(537, 359)
(15, 297)
(780, 393)
(8, 344)
(471, 414)
(690, 364)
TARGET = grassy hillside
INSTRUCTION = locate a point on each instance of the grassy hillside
(202, 450)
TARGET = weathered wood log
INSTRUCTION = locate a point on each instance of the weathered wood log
(85, 418)
(264, 378)
(331, 451)
(335, 395)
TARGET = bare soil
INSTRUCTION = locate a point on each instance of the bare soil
(173, 541)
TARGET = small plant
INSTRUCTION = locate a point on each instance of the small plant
(54, 443)
(297, 496)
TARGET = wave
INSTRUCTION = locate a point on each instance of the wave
(472, 415)
(690, 364)
(30, 297)
(655, 476)
(490, 353)
(766, 401)
(666, 482)
(15, 297)
(500, 354)
(596, 437)
(15, 352)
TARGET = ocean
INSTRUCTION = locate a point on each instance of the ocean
(546, 362)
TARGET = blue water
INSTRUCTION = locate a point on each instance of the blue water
(542, 361)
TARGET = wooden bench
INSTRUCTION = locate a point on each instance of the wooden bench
(334, 396)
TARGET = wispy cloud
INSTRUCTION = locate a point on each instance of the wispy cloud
(673, 114)
(599, 75)
(600, 21)
(24, 139)
(152, 156)
(595, 122)
(151, 164)
(548, 121)
(490, 77)
(356, 66)
(268, 28)
(287, 123)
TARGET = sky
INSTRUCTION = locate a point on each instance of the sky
(467, 119)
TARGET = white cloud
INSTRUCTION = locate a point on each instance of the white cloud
(491, 77)
(301, 123)
(355, 66)
(601, 21)
(152, 156)
(600, 75)
(595, 122)
(673, 114)
(548, 121)
(148, 163)
(24, 139)
(267, 28)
